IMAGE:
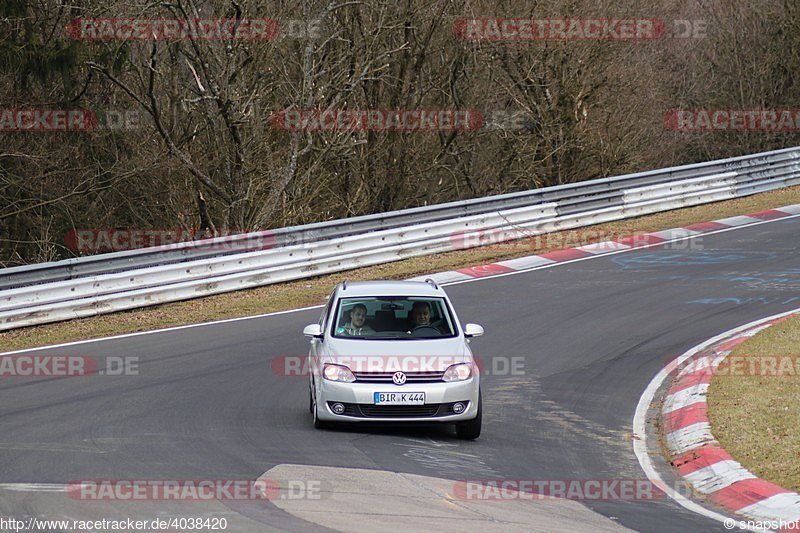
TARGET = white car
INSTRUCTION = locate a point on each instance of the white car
(393, 351)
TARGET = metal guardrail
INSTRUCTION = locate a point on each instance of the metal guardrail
(571, 198)
(93, 285)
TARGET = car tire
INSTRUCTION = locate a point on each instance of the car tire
(471, 429)
(318, 424)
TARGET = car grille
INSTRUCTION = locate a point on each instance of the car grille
(377, 411)
(431, 410)
(386, 377)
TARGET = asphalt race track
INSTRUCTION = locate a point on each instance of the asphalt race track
(208, 405)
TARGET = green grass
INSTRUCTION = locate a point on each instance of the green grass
(757, 418)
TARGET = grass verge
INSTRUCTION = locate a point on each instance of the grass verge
(313, 291)
(756, 418)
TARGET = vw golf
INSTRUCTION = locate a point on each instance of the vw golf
(393, 351)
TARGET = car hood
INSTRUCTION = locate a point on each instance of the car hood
(391, 356)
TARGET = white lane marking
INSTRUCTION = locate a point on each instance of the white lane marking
(174, 328)
(471, 280)
(717, 476)
(34, 487)
(759, 329)
(640, 447)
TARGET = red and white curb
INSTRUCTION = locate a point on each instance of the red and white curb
(644, 240)
(697, 455)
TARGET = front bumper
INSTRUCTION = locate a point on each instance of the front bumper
(443, 394)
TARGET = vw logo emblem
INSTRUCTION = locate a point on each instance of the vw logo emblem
(399, 378)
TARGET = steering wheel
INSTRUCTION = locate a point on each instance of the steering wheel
(421, 330)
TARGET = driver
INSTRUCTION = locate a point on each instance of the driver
(420, 315)
(357, 326)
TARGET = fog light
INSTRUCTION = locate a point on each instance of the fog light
(458, 408)
(337, 408)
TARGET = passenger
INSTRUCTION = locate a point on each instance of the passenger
(357, 327)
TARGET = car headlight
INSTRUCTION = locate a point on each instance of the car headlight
(459, 372)
(338, 373)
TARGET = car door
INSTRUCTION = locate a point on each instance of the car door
(317, 345)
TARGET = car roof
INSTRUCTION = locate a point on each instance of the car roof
(388, 288)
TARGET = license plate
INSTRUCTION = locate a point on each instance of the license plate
(399, 398)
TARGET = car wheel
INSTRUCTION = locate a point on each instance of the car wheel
(319, 424)
(471, 429)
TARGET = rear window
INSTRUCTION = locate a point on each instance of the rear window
(388, 318)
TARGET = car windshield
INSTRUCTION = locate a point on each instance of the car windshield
(394, 317)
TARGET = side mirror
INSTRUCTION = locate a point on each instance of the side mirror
(473, 330)
(313, 330)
